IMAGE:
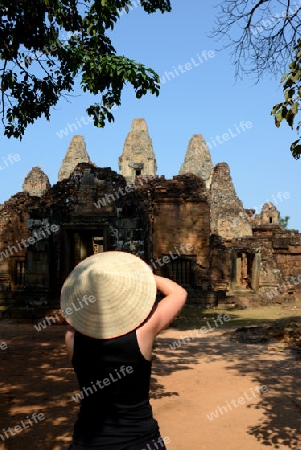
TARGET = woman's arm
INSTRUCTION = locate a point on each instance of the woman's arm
(69, 341)
(169, 307)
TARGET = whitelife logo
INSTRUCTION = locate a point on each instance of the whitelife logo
(30, 241)
(203, 330)
(236, 403)
(11, 159)
(65, 313)
(35, 418)
(238, 129)
(119, 374)
(183, 68)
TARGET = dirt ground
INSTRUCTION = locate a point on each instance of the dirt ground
(211, 393)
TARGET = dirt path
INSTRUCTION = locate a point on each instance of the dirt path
(211, 393)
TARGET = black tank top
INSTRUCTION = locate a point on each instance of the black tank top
(114, 379)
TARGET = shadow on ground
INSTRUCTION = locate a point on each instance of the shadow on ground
(36, 377)
(280, 372)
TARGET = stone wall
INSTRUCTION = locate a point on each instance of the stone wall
(91, 211)
(265, 268)
(286, 245)
(98, 215)
(14, 234)
(179, 217)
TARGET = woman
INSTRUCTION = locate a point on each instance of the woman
(109, 300)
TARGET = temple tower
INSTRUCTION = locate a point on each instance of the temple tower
(76, 154)
(138, 157)
(229, 219)
(198, 160)
(268, 215)
(36, 183)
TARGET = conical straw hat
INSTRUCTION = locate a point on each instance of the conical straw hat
(108, 294)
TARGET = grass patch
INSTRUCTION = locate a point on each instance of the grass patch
(192, 317)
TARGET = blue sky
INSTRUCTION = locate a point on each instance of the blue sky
(202, 98)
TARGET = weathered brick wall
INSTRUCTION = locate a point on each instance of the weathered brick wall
(276, 264)
(96, 202)
(13, 233)
(62, 224)
(180, 228)
(286, 245)
(220, 264)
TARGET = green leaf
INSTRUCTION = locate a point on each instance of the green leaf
(88, 56)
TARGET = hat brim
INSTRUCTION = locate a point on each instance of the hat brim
(108, 294)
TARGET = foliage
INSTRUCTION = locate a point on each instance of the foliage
(46, 44)
(289, 108)
(264, 37)
(283, 221)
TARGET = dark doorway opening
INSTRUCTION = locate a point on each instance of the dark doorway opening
(81, 242)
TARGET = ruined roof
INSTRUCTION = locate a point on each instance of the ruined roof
(179, 188)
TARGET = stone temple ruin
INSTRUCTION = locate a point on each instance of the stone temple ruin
(193, 228)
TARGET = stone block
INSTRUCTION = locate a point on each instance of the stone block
(295, 241)
(281, 258)
(280, 243)
(295, 249)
